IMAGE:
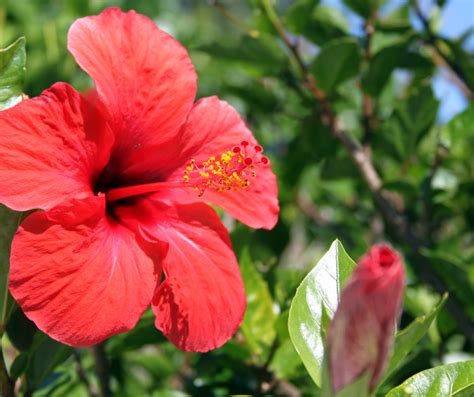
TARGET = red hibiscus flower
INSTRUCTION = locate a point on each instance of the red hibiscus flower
(361, 334)
(122, 177)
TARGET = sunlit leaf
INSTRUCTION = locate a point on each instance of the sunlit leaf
(12, 73)
(315, 303)
(446, 380)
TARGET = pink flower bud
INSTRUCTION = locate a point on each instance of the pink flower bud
(361, 334)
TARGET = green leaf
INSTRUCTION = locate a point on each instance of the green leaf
(384, 63)
(446, 380)
(457, 132)
(463, 61)
(258, 326)
(286, 362)
(144, 333)
(359, 388)
(398, 21)
(320, 24)
(455, 274)
(45, 355)
(315, 303)
(297, 15)
(9, 221)
(12, 73)
(410, 121)
(407, 338)
(337, 62)
(19, 366)
(261, 54)
(20, 330)
(365, 8)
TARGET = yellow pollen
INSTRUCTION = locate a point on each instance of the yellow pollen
(230, 171)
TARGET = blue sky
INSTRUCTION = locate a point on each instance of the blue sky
(458, 16)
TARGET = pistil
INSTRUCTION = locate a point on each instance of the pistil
(231, 171)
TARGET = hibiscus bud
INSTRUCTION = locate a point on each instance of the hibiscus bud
(361, 334)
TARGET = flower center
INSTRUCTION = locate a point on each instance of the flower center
(230, 171)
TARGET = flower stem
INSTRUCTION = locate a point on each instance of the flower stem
(102, 369)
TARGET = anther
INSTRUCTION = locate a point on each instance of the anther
(229, 171)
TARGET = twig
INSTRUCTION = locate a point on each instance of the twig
(102, 369)
(234, 19)
(383, 200)
(271, 354)
(368, 120)
(82, 374)
(460, 77)
(6, 383)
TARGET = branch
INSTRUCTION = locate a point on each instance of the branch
(81, 373)
(368, 119)
(102, 369)
(457, 74)
(236, 21)
(386, 203)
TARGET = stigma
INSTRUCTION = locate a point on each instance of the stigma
(232, 170)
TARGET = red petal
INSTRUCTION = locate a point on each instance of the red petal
(80, 276)
(214, 127)
(144, 77)
(51, 148)
(201, 302)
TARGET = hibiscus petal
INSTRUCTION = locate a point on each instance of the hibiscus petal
(144, 77)
(214, 127)
(51, 149)
(201, 302)
(79, 275)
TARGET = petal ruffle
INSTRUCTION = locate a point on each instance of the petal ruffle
(51, 149)
(79, 275)
(145, 79)
(201, 302)
(214, 127)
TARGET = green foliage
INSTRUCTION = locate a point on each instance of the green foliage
(12, 73)
(446, 380)
(384, 63)
(410, 121)
(338, 61)
(258, 326)
(365, 8)
(407, 338)
(314, 305)
(9, 221)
